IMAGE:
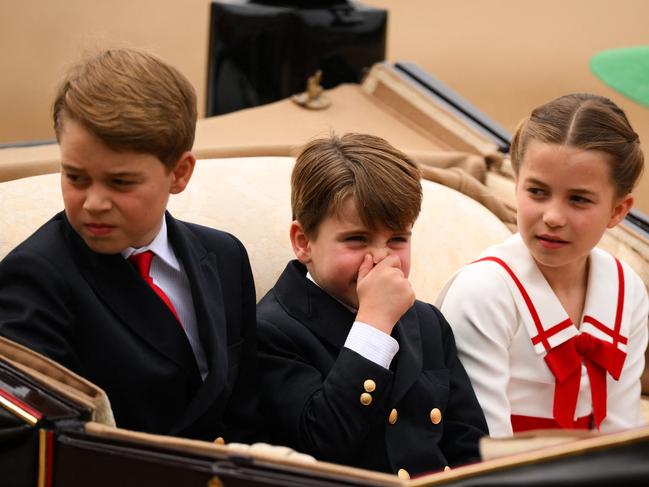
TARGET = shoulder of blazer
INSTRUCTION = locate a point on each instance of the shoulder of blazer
(431, 321)
(52, 242)
(48, 234)
(429, 314)
(212, 239)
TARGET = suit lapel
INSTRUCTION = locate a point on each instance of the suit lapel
(409, 358)
(313, 307)
(203, 274)
(122, 290)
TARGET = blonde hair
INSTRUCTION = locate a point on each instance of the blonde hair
(131, 100)
(383, 182)
(589, 122)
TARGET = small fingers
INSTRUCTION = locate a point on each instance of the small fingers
(366, 267)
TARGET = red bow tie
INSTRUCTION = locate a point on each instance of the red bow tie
(565, 362)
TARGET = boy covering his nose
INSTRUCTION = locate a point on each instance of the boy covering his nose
(158, 312)
(354, 369)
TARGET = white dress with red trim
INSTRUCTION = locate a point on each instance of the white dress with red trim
(530, 366)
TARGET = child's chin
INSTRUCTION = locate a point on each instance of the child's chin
(103, 247)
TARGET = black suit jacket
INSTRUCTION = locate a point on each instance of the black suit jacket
(94, 314)
(312, 384)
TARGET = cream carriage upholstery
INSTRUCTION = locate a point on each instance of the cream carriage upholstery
(250, 198)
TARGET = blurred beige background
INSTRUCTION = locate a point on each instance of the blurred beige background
(504, 56)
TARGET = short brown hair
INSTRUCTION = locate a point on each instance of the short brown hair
(384, 183)
(589, 122)
(131, 100)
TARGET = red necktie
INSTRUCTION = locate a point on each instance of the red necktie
(142, 263)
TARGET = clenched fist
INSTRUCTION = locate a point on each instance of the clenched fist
(384, 293)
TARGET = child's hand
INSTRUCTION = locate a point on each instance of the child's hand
(384, 293)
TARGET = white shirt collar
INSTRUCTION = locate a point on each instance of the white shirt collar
(159, 246)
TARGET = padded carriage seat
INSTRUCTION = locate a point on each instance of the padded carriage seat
(250, 198)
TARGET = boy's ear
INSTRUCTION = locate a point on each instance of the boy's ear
(182, 172)
(300, 243)
(620, 210)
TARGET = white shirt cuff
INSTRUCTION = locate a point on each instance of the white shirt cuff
(372, 344)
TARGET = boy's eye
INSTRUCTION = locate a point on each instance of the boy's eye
(399, 239)
(536, 192)
(74, 178)
(355, 238)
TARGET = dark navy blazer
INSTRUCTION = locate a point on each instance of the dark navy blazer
(312, 385)
(93, 314)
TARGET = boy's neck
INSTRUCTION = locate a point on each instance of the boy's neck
(158, 244)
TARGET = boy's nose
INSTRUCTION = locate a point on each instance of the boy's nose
(379, 253)
(96, 201)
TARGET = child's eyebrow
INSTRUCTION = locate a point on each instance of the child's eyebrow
(70, 167)
(124, 174)
(355, 231)
(535, 181)
(538, 182)
(582, 191)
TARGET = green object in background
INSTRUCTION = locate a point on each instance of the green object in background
(625, 70)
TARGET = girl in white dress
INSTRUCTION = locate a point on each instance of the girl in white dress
(551, 330)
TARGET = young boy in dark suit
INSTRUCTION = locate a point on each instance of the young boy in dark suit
(354, 369)
(158, 312)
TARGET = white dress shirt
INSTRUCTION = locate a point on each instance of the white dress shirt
(168, 274)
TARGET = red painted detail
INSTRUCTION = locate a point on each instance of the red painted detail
(49, 461)
(26, 407)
